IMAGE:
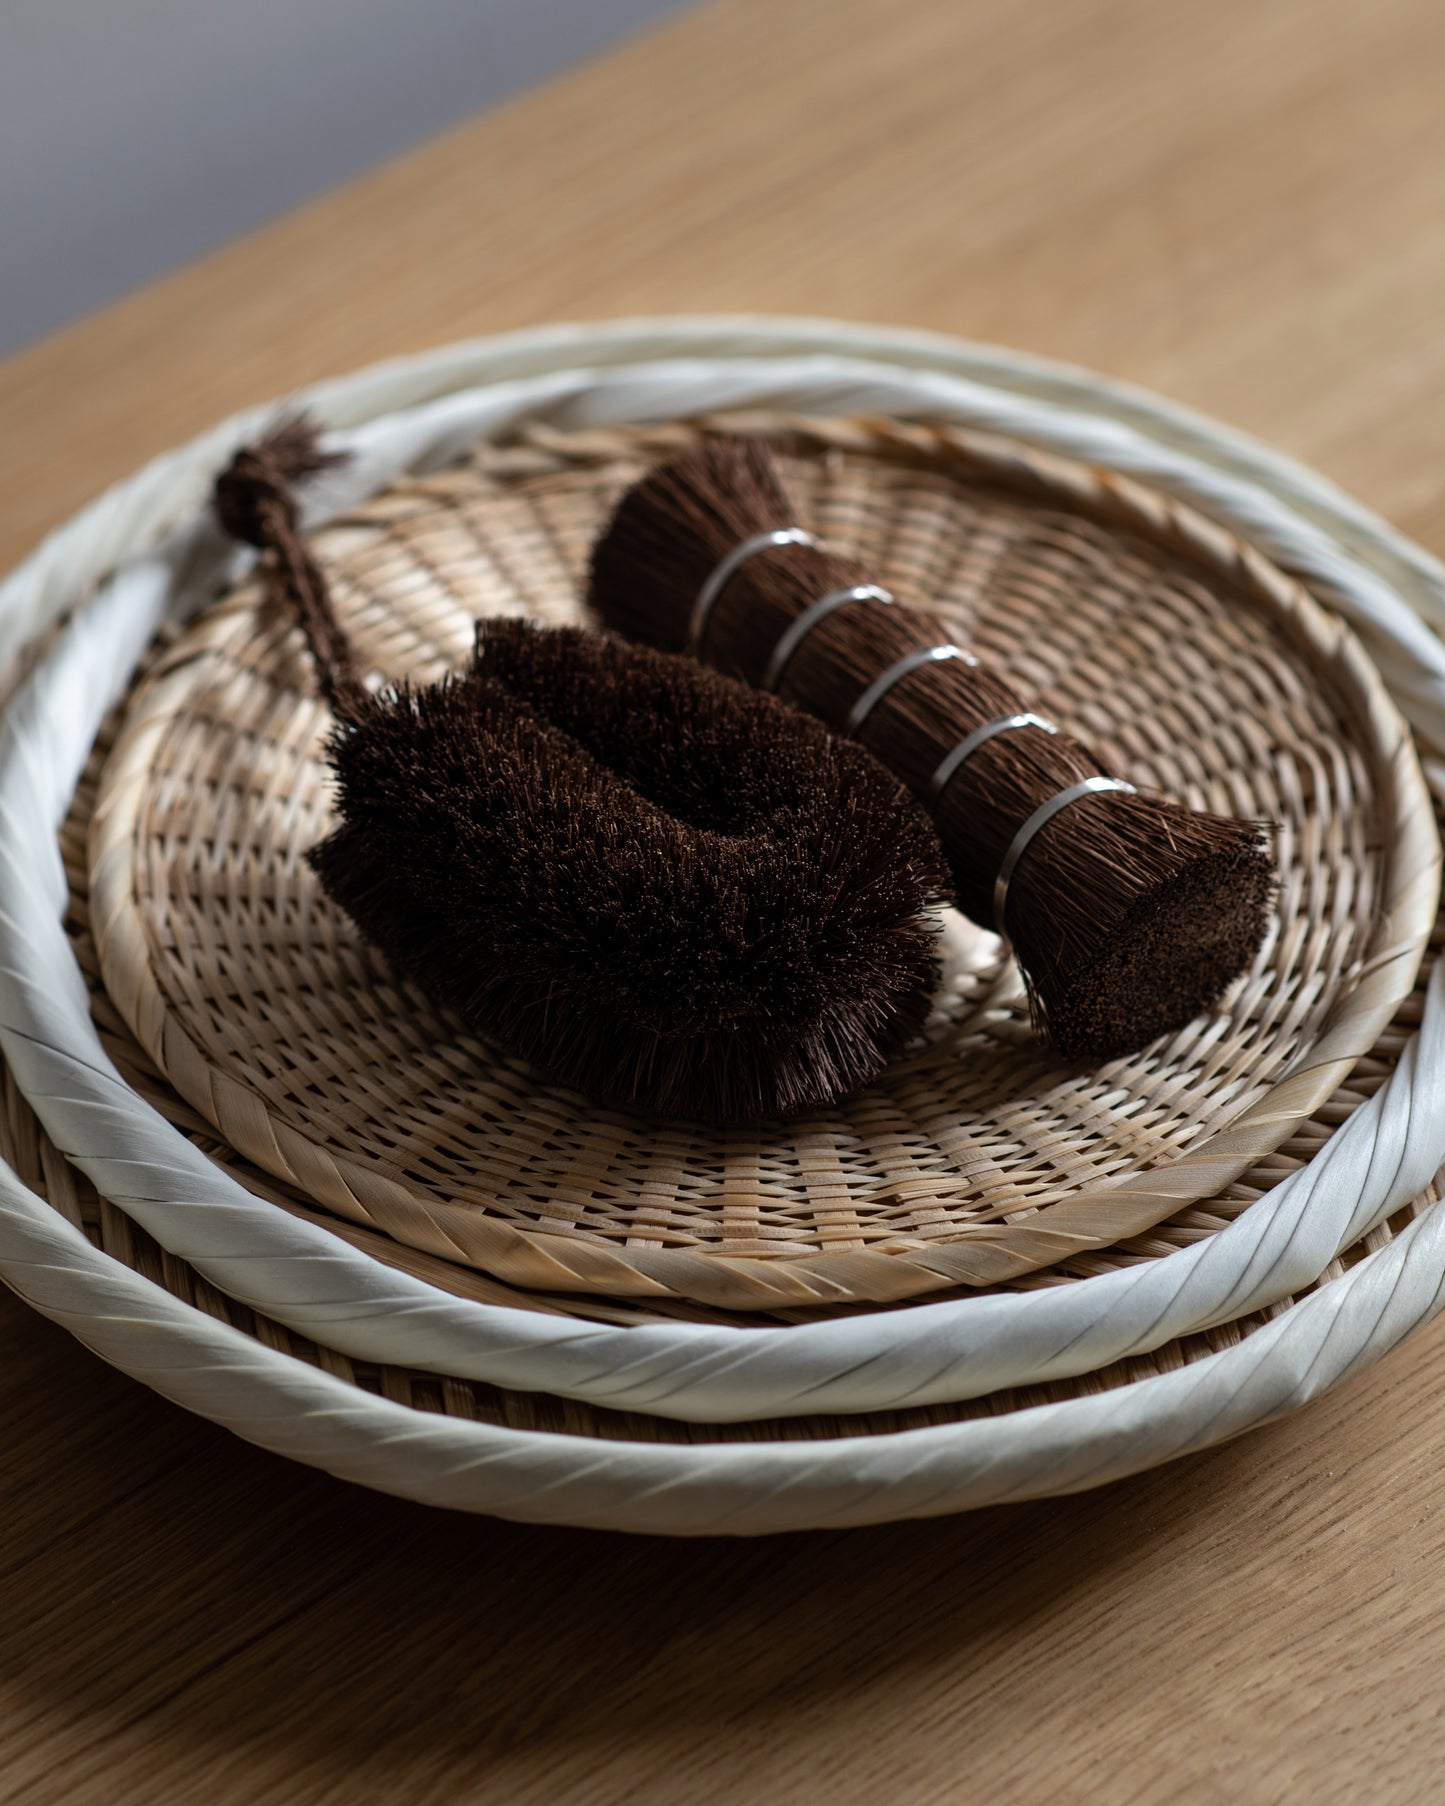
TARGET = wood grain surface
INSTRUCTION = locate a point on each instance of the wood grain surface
(1240, 203)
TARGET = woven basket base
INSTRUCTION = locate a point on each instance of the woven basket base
(972, 1160)
(1194, 1223)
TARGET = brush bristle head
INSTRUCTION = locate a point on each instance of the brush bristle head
(1174, 949)
(655, 885)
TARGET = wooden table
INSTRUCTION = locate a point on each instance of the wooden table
(1240, 203)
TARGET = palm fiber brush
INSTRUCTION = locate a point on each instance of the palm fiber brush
(652, 882)
(1128, 913)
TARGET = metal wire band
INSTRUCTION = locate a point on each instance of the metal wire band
(724, 572)
(797, 631)
(899, 669)
(1044, 813)
(969, 745)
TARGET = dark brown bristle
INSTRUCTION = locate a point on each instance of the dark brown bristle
(1172, 954)
(1129, 913)
(652, 882)
(657, 885)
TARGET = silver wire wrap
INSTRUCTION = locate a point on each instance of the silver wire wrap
(723, 574)
(797, 631)
(951, 762)
(1044, 813)
(896, 672)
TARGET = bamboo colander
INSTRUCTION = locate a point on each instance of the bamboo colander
(1189, 662)
(75, 1198)
(26, 1147)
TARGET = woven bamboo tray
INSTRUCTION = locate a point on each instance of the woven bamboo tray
(306, 1412)
(307, 1278)
(25, 1147)
(473, 1399)
(1192, 665)
(1188, 1228)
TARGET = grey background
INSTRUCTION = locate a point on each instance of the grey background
(135, 134)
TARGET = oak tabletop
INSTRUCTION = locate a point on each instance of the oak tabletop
(1241, 204)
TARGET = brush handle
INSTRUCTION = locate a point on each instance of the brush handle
(953, 760)
(902, 667)
(794, 636)
(1040, 818)
(1128, 912)
(880, 670)
(724, 573)
(255, 501)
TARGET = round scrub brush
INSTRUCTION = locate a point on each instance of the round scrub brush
(1128, 913)
(654, 883)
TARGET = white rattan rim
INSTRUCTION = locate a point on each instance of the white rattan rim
(739, 1489)
(929, 1352)
(737, 1373)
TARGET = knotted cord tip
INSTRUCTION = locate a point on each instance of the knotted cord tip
(255, 490)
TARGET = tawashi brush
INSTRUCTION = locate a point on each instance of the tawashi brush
(650, 881)
(1128, 913)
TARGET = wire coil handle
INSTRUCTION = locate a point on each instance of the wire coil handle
(725, 571)
(1045, 812)
(954, 760)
